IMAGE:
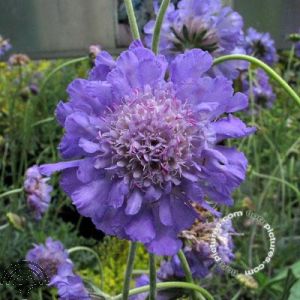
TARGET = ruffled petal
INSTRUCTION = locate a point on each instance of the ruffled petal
(231, 127)
(187, 67)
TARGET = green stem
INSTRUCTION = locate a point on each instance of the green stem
(185, 266)
(265, 67)
(12, 192)
(158, 24)
(129, 269)
(187, 271)
(152, 269)
(58, 68)
(169, 285)
(83, 248)
(291, 56)
(132, 20)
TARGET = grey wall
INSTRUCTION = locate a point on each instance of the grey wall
(51, 28)
(279, 17)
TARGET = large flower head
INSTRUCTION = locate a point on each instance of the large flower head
(38, 191)
(4, 46)
(205, 25)
(261, 45)
(142, 148)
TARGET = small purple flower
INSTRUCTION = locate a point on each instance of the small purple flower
(261, 45)
(38, 191)
(69, 285)
(141, 148)
(53, 258)
(4, 46)
(263, 94)
(205, 25)
(49, 256)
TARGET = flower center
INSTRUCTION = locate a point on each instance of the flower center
(151, 136)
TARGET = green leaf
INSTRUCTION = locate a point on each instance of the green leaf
(295, 291)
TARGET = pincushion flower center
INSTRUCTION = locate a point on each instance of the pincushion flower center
(195, 34)
(151, 135)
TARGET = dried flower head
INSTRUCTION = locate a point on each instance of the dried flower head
(18, 60)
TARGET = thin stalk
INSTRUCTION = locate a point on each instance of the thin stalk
(291, 57)
(83, 248)
(58, 68)
(152, 270)
(187, 271)
(265, 67)
(129, 269)
(12, 192)
(158, 24)
(169, 285)
(132, 20)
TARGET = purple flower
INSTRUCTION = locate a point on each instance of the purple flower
(263, 94)
(261, 45)
(49, 256)
(38, 191)
(70, 286)
(205, 25)
(4, 46)
(54, 260)
(142, 148)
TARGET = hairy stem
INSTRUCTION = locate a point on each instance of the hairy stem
(263, 66)
(58, 68)
(129, 269)
(187, 271)
(152, 270)
(158, 24)
(132, 20)
(169, 285)
(12, 192)
(83, 248)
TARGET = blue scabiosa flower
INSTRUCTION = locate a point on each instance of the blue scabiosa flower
(4, 46)
(205, 25)
(141, 148)
(38, 192)
(261, 45)
(263, 94)
(54, 260)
